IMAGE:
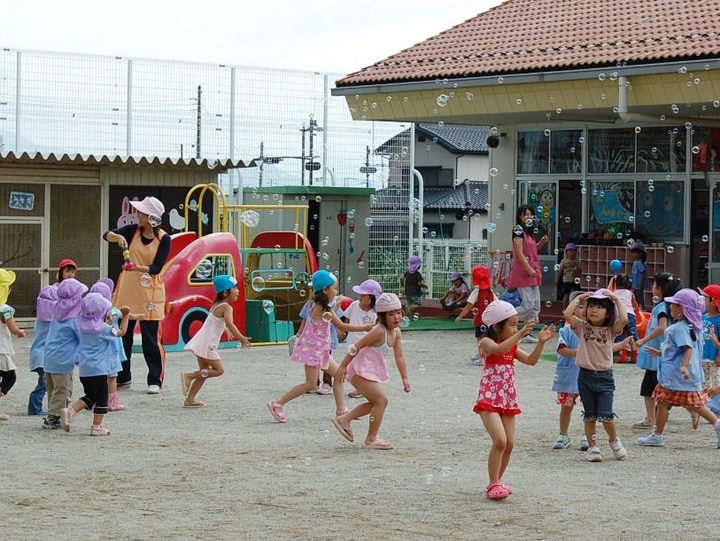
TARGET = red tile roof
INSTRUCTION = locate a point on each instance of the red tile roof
(523, 36)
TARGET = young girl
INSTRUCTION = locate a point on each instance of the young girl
(205, 343)
(362, 312)
(664, 285)
(497, 400)
(680, 376)
(621, 285)
(312, 347)
(62, 349)
(365, 365)
(479, 299)
(412, 283)
(638, 275)
(67, 268)
(604, 319)
(8, 327)
(105, 287)
(456, 296)
(46, 301)
(568, 273)
(97, 350)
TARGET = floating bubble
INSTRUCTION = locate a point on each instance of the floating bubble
(588, 278)
(651, 188)
(601, 77)
(442, 100)
(416, 316)
(351, 214)
(404, 322)
(577, 280)
(548, 304)
(369, 222)
(268, 306)
(547, 133)
(493, 171)
(696, 149)
(204, 270)
(491, 227)
(146, 279)
(529, 222)
(646, 214)
(258, 283)
(352, 350)
(670, 249)
(638, 129)
(250, 218)
(318, 198)
(655, 299)
(327, 316)
(505, 186)
(705, 238)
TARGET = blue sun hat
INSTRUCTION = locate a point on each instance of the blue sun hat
(223, 282)
(322, 279)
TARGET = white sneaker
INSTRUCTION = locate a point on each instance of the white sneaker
(618, 449)
(153, 389)
(593, 454)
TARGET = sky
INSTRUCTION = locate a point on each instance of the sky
(334, 36)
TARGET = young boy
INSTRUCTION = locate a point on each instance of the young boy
(711, 319)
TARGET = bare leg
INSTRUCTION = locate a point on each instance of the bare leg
(311, 377)
(376, 399)
(565, 416)
(496, 457)
(207, 369)
(338, 388)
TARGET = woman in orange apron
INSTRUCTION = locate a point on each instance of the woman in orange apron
(140, 286)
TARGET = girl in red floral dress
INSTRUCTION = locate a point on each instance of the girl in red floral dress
(497, 400)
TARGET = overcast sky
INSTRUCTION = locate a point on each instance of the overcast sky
(335, 36)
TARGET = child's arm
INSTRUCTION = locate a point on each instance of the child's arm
(621, 321)
(490, 347)
(569, 313)
(559, 273)
(532, 358)
(14, 329)
(687, 355)
(124, 318)
(400, 361)
(230, 326)
(565, 351)
(465, 311)
(342, 326)
(658, 331)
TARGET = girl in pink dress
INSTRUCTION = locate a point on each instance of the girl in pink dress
(497, 400)
(313, 346)
(205, 343)
(365, 365)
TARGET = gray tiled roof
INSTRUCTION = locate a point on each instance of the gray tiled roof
(456, 138)
(474, 192)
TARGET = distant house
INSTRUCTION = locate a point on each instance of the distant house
(452, 160)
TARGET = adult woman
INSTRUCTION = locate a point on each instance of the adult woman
(525, 274)
(140, 286)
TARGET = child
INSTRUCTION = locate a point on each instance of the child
(711, 323)
(568, 273)
(365, 365)
(456, 296)
(638, 275)
(620, 284)
(664, 285)
(605, 318)
(312, 348)
(205, 343)
(478, 300)
(97, 350)
(105, 287)
(680, 376)
(362, 312)
(62, 349)
(46, 301)
(512, 295)
(67, 268)
(497, 400)
(566, 376)
(412, 284)
(324, 386)
(8, 327)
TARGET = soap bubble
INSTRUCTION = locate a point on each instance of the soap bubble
(258, 283)
(369, 222)
(405, 322)
(327, 316)
(670, 249)
(705, 238)
(548, 304)
(268, 306)
(250, 218)
(351, 213)
(352, 350)
(204, 270)
(146, 279)
(493, 171)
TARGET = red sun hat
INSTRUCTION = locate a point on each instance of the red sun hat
(67, 263)
(481, 277)
(712, 291)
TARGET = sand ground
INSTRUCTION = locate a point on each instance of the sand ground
(228, 471)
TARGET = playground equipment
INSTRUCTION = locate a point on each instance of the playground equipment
(263, 246)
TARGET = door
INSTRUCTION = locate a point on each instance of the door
(699, 234)
(714, 251)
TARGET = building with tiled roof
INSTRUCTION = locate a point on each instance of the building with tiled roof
(605, 116)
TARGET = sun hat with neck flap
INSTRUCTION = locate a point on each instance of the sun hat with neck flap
(322, 279)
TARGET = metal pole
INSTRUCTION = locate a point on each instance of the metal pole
(262, 164)
(18, 99)
(302, 158)
(129, 107)
(198, 123)
(326, 99)
(313, 124)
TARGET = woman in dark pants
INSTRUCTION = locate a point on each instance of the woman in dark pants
(140, 287)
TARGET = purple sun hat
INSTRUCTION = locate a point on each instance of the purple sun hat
(693, 305)
(101, 287)
(70, 292)
(94, 309)
(46, 301)
(414, 263)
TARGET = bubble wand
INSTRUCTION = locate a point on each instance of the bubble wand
(127, 265)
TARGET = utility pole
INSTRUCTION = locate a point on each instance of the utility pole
(262, 163)
(199, 123)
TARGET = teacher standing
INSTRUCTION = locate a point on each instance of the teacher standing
(140, 287)
(525, 274)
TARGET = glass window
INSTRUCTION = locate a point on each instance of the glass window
(566, 151)
(661, 150)
(210, 266)
(533, 152)
(660, 210)
(611, 151)
(612, 211)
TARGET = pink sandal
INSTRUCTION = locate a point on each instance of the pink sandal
(276, 411)
(496, 491)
